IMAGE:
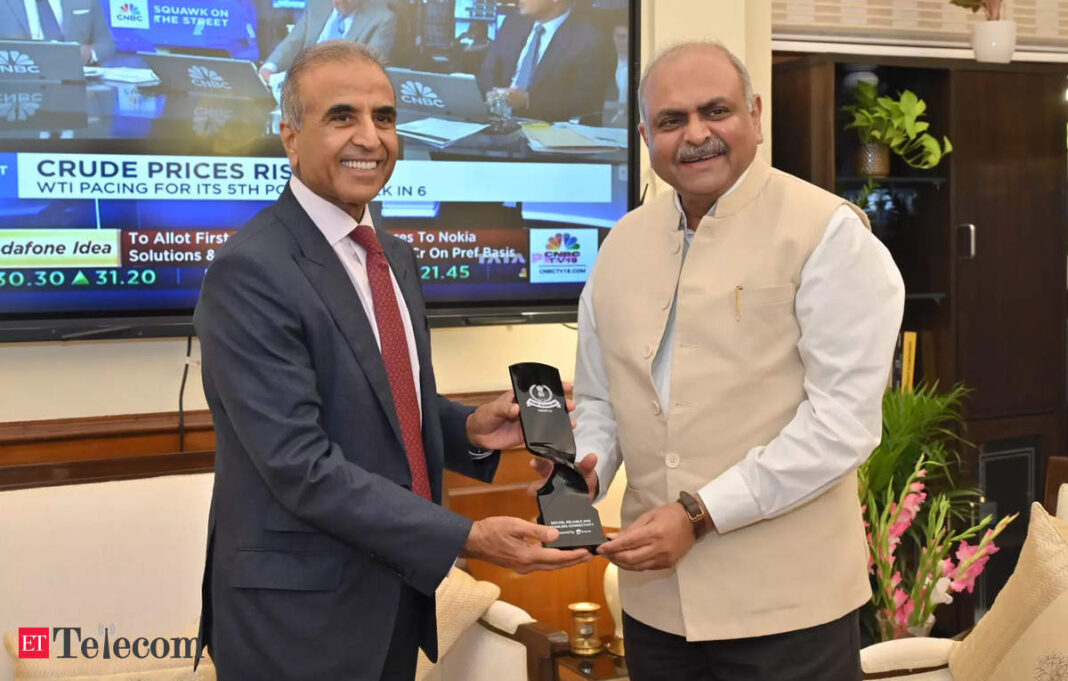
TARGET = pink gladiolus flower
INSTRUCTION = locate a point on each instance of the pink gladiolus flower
(905, 606)
(948, 567)
(895, 580)
(965, 550)
(922, 473)
(913, 502)
(916, 487)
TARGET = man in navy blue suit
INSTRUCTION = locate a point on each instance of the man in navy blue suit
(326, 537)
(553, 64)
(80, 21)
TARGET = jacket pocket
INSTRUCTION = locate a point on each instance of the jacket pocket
(765, 296)
(286, 570)
(277, 519)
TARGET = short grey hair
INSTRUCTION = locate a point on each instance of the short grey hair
(331, 51)
(739, 66)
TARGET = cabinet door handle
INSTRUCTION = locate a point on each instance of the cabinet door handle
(966, 241)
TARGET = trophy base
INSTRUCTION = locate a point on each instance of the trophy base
(570, 511)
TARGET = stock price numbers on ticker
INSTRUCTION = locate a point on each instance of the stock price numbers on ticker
(76, 278)
(442, 273)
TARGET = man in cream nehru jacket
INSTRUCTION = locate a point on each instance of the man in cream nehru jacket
(734, 344)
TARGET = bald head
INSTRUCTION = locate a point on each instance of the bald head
(695, 49)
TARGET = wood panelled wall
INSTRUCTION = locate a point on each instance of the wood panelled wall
(95, 449)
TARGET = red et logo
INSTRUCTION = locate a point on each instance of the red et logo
(33, 642)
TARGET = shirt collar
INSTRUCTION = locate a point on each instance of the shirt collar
(334, 223)
(552, 25)
(711, 211)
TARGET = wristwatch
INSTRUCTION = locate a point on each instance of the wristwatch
(695, 511)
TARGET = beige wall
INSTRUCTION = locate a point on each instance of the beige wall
(51, 380)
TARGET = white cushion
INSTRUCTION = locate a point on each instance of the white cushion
(1062, 502)
(1024, 637)
(902, 658)
(506, 617)
(126, 553)
(482, 655)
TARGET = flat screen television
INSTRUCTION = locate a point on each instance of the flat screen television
(120, 178)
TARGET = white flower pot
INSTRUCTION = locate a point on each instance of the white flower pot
(994, 41)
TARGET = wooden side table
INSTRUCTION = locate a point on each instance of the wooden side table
(600, 667)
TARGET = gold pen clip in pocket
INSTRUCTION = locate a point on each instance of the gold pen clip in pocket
(738, 303)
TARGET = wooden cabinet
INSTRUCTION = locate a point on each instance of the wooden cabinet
(980, 239)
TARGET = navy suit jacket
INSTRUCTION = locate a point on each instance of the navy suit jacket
(313, 529)
(83, 22)
(373, 25)
(572, 76)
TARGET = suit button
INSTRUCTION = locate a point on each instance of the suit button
(647, 351)
(665, 303)
(672, 460)
(656, 407)
(676, 246)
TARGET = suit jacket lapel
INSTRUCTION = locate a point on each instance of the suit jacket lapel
(19, 10)
(327, 275)
(360, 20)
(561, 42)
(524, 24)
(316, 24)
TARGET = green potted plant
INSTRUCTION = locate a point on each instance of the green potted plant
(918, 560)
(886, 124)
(993, 40)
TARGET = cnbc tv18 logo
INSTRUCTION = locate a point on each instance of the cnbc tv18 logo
(561, 257)
(129, 14)
(68, 643)
(414, 92)
(15, 63)
(562, 248)
(202, 76)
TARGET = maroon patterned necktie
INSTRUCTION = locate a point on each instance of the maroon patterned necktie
(395, 355)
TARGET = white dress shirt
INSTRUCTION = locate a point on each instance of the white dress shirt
(622, 73)
(815, 449)
(336, 225)
(551, 27)
(33, 18)
(328, 32)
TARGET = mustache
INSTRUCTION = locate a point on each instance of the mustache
(712, 146)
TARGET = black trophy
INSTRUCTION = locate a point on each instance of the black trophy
(564, 499)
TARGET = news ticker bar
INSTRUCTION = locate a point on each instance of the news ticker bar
(153, 177)
(540, 255)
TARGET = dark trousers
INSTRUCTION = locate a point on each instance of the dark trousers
(404, 646)
(828, 652)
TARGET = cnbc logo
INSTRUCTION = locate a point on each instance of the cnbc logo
(202, 76)
(19, 106)
(129, 14)
(16, 63)
(208, 120)
(562, 248)
(562, 242)
(414, 92)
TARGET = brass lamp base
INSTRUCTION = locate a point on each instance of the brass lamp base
(615, 646)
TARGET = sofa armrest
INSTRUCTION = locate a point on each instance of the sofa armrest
(543, 643)
(903, 657)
